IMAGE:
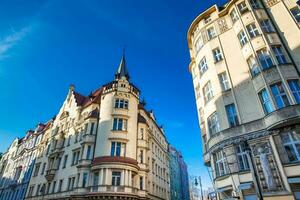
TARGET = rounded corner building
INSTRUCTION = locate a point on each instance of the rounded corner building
(245, 63)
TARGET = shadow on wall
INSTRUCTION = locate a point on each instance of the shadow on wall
(15, 186)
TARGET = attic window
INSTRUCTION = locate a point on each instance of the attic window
(123, 85)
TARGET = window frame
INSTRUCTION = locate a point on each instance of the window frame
(265, 59)
(203, 66)
(294, 86)
(224, 81)
(120, 124)
(267, 26)
(243, 9)
(234, 16)
(213, 124)
(208, 92)
(291, 143)
(241, 152)
(266, 101)
(232, 116)
(253, 65)
(116, 178)
(243, 39)
(217, 54)
(252, 30)
(211, 34)
(279, 54)
(220, 160)
(281, 92)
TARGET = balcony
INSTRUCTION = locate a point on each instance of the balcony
(113, 189)
(255, 127)
(206, 157)
(50, 174)
(88, 138)
(283, 117)
(84, 162)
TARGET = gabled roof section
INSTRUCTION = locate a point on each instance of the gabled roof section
(85, 101)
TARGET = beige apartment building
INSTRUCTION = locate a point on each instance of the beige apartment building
(245, 63)
(105, 145)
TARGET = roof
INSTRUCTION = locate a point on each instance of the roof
(122, 70)
(85, 101)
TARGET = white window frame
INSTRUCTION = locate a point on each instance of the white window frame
(211, 32)
(220, 160)
(203, 67)
(242, 38)
(252, 62)
(234, 16)
(208, 92)
(119, 124)
(121, 103)
(279, 55)
(116, 178)
(243, 8)
(291, 143)
(213, 123)
(241, 153)
(224, 82)
(252, 30)
(264, 57)
(266, 26)
(217, 55)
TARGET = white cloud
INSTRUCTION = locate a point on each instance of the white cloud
(11, 40)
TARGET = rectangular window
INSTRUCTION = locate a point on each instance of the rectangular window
(217, 55)
(265, 59)
(242, 38)
(252, 30)
(84, 179)
(53, 187)
(277, 50)
(141, 183)
(121, 103)
(253, 66)
(117, 149)
(120, 124)
(43, 169)
(266, 101)
(213, 123)
(203, 66)
(60, 185)
(37, 192)
(65, 161)
(141, 156)
(88, 152)
(254, 4)
(232, 115)
(296, 13)
(199, 44)
(291, 143)
(92, 128)
(224, 82)
(116, 178)
(234, 16)
(211, 33)
(266, 26)
(279, 95)
(30, 192)
(208, 93)
(242, 157)
(295, 88)
(221, 164)
(242, 7)
(37, 169)
(96, 179)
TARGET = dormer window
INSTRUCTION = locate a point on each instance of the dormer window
(207, 19)
(121, 103)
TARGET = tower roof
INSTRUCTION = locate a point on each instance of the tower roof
(122, 70)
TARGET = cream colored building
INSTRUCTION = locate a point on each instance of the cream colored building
(245, 63)
(102, 146)
(17, 164)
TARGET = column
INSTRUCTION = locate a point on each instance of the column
(130, 178)
(101, 177)
(123, 177)
(126, 178)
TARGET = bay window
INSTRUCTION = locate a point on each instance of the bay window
(295, 88)
(120, 124)
(291, 143)
(265, 59)
(279, 55)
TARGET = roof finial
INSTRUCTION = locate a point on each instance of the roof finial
(122, 70)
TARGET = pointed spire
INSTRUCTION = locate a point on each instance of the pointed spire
(122, 70)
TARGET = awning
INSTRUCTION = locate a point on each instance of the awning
(220, 190)
(245, 186)
(294, 180)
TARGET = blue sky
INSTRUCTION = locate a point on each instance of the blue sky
(47, 45)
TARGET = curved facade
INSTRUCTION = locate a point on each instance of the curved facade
(102, 146)
(245, 62)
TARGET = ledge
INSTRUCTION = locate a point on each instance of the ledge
(115, 159)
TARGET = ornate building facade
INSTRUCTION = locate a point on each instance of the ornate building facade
(17, 164)
(102, 146)
(245, 64)
(179, 177)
